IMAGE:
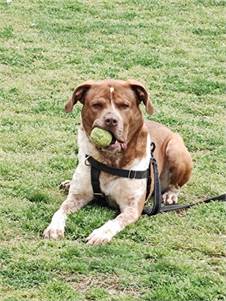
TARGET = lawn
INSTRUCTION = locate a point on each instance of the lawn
(47, 48)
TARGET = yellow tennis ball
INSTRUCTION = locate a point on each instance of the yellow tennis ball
(100, 137)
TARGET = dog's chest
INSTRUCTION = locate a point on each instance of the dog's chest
(120, 191)
(110, 187)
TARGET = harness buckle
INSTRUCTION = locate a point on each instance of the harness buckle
(130, 173)
(98, 194)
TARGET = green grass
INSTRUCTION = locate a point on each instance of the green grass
(47, 48)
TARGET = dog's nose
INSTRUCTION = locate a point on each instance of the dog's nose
(111, 121)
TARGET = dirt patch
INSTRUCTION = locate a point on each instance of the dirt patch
(109, 282)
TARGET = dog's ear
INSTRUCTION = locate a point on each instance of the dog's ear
(78, 95)
(142, 95)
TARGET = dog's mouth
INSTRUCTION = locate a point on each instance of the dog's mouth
(118, 143)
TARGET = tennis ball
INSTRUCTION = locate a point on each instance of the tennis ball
(100, 137)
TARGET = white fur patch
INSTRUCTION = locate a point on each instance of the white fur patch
(111, 90)
(111, 93)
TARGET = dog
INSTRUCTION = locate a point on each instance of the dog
(114, 105)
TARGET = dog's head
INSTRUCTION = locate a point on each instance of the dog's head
(112, 105)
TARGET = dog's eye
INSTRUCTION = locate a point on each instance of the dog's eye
(123, 106)
(97, 105)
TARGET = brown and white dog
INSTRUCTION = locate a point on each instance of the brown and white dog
(114, 105)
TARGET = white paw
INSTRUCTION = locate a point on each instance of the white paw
(104, 234)
(52, 232)
(55, 229)
(98, 237)
(170, 197)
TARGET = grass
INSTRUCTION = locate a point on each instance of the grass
(46, 49)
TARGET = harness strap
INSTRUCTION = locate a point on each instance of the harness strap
(123, 173)
(95, 175)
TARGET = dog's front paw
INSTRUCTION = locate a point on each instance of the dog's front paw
(104, 234)
(55, 229)
(99, 236)
(52, 232)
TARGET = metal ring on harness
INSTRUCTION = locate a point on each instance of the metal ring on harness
(87, 161)
(153, 146)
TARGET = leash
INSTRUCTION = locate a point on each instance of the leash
(175, 207)
(156, 207)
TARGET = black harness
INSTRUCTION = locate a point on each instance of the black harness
(97, 167)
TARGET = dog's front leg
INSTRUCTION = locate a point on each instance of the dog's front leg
(80, 193)
(72, 204)
(104, 234)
